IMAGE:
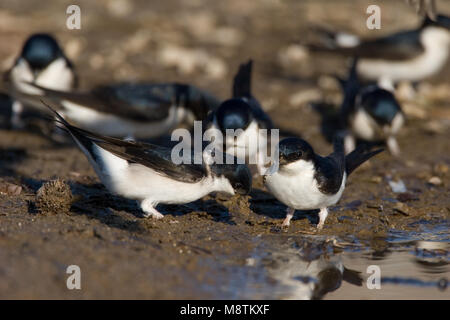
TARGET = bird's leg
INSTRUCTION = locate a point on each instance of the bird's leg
(289, 215)
(349, 143)
(16, 116)
(148, 206)
(322, 216)
(393, 147)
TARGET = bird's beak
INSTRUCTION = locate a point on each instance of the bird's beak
(282, 160)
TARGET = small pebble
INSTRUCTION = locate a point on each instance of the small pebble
(397, 186)
(250, 262)
(402, 208)
(435, 181)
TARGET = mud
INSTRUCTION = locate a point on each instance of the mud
(221, 247)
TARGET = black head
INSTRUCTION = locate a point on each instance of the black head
(40, 50)
(293, 149)
(239, 176)
(234, 114)
(380, 104)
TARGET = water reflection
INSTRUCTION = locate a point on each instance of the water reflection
(315, 268)
(304, 274)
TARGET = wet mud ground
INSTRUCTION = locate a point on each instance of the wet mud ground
(218, 247)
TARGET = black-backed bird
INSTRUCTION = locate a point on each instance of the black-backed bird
(370, 113)
(41, 62)
(307, 181)
(146, 173)
(411, 55)
(132, 109)
(243, 116)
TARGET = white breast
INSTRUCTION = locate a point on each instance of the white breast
(365, 127)
(57, 76)
(296, 187)
(436, 44)
(245, 145)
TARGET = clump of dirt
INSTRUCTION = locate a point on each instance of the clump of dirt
(54, 197)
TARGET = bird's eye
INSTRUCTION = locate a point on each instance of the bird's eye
(295, 155)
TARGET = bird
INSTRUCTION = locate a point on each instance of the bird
(305, 271)
(42, 62)
(132, 110)
(370, 113)
(410, 55)
(146, 172)
(305, 180)
(244, 117)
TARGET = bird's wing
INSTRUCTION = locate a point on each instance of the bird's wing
(156, 158)
(330, 170)
(149, 155)
(151, 100)
(328, 174)
(138, 105)
(400, 46)
(263, 119)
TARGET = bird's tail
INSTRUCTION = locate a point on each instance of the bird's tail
(338, 144)
(83, 138)
(357, 157)
(350, 88)
(351, 84)
(243, 80)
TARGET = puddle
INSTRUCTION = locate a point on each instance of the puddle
(297, 267)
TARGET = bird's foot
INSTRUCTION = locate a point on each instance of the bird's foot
(286, 222)
(322, 217)
(155, 215)
(16, 118)
(289, 215)
(320, 225)
(148, 207)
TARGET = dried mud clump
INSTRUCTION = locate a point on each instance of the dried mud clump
(54, 197)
